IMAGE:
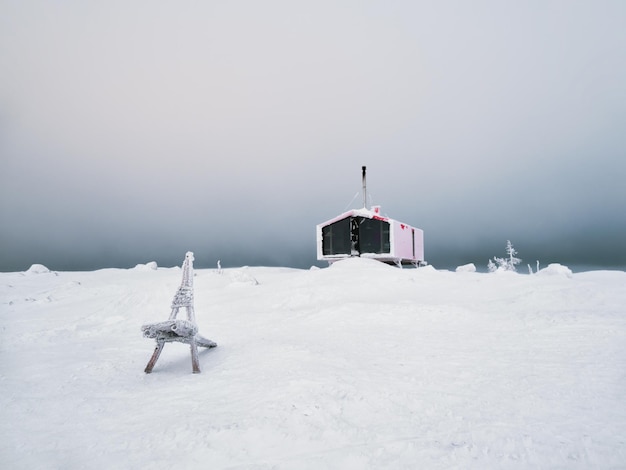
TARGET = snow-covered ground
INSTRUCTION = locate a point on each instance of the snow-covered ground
(355, 366)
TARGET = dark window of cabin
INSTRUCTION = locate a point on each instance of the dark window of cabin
(374, 236)
(336, 238)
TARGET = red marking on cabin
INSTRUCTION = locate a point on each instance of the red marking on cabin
(376, 217)
(402, 226)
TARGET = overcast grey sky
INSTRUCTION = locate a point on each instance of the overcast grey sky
(133, 131)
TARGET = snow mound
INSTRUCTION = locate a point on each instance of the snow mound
(37, 269)
(427, 268)
(358, 264)
(151, 266)
(337, 368)
(502, 271)
(556, 269)
(242, 276)
(466, 268)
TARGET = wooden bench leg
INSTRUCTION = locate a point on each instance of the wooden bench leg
(195, 363)
(155, 356)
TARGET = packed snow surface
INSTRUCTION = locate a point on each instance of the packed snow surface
(355, 366)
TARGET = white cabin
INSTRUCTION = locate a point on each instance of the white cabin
(365, 233)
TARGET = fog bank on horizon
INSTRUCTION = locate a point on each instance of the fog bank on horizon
(137, 132)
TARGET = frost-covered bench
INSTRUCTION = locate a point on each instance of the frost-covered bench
(174, 330)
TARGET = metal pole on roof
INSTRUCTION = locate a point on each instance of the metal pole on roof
(364, 189)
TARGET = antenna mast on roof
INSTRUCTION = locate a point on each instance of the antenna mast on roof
(364, 189)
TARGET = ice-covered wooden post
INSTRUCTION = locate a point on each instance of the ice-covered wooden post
(183, 331)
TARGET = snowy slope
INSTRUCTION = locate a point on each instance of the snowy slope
(356, 366)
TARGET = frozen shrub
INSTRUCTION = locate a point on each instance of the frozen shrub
(505, 264)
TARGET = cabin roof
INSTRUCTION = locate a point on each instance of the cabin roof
(364, 212)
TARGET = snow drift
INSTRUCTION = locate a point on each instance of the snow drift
(359, 365)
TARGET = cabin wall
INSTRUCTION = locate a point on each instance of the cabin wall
(402, 246)
(319, 237)
(419, 244)
(407, 242)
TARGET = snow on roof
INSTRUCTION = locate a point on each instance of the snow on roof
(364, 212)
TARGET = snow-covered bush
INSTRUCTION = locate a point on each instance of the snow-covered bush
(530, 269)
(505, 264)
